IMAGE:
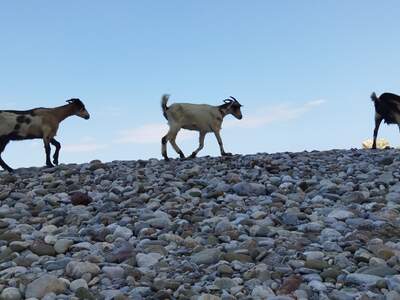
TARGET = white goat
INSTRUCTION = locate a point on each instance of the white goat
(200, 117)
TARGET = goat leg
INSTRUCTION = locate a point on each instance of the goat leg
(378, 121)
(164, 142)
(221, 145)
(56, 144)
(3, 144)
(5, 166)
(48, 152)
(226, 154)
(172, 140)
(201, 145)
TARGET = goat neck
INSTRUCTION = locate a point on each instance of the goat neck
(65, 111)
(223, 109)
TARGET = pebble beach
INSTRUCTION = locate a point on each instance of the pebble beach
(283, 226)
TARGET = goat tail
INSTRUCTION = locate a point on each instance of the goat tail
(374, 98)
(164, 107)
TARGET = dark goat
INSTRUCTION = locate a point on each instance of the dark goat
(37, 123)
(387, 108)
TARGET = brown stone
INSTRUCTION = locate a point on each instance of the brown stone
(289, 285)
(79, 198)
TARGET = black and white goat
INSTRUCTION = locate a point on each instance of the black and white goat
(200, 117)
(387, 108)
(37, 123)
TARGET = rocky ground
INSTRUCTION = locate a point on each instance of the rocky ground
(310, 225)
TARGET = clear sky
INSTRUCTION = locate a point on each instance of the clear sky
(304, 71)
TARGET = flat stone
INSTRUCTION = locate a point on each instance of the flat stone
(362, 279)
(341, 214)
(76, 269)
(19, 246)
(147, 260)
(44, 285)
(316, 264)
(381, 271)
(61, 246)
(114, 272)
(224, 283)
(249, 189)
(206, 257)
(42, 249)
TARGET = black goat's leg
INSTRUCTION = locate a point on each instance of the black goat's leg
(56, 144)
(47, 148)
(164, 142)
(3, 144)
(378, 121)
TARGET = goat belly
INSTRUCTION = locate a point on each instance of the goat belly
(191, 127)
(390, 116)
(389, 110)
(7, 123)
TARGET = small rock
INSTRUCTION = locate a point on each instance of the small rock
(84, 294)
(147, 260)
(340, 214)
(61, 246)
(10, 294)
(76, 269)
(114, 272)
(224, 283)
(123, 232)
(78, 283)
(249, 189)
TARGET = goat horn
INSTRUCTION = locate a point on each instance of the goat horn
(234, 98)
(228, 101)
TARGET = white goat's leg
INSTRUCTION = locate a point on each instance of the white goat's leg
(221, 145)
(201, 144)
(172, 137)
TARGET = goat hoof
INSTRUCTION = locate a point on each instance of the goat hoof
(226, 154)
(166, 158)
(50, 165)
(55, 162)
(193, 155)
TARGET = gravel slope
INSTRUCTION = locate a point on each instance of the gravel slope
(309, 225)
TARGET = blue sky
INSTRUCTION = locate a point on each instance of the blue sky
(304, 71)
